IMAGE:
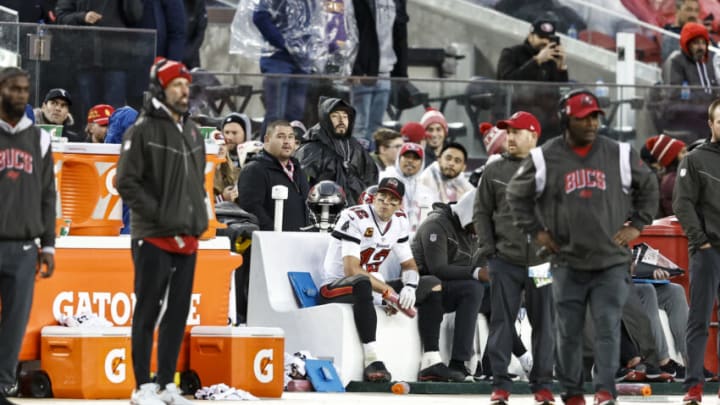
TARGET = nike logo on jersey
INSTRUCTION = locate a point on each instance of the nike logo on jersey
(27, 247)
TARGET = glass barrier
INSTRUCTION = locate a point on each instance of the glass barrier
(9, 54)
(95, 65)
(632, 113)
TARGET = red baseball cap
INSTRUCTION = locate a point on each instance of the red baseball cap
(413, 132)
(412, 147)
(581, 105)
(521, 120)
(100, 114)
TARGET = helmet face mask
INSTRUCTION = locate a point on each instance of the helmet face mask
(326, 200)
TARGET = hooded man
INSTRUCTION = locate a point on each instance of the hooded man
(444, 246)
(331, 153)
(418, 198)
(689, 65)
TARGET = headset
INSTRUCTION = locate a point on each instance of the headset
(156, 88)
(563, 102)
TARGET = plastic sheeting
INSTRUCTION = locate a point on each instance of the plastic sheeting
(320, 35)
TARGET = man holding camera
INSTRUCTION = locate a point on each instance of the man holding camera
(540, 58)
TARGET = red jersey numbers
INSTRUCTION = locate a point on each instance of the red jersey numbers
(584, 179)
(361, 213)
(371, 259)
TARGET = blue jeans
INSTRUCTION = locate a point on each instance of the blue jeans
(102, 87)
(284, 96)
(370, 102)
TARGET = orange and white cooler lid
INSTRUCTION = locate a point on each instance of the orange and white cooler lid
(64, 331)
(237, 331)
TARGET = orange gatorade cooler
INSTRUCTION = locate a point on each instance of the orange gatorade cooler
(88, 363)
(249, 358)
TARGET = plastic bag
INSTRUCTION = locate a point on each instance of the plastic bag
(320, 36)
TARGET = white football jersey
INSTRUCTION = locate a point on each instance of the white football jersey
(359, 233)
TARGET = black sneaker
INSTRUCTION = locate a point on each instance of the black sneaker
(709, 376)
(440, 372)
(654, 373)
(376, 372)
(459, 366)
(674, 369)
(4, 400)
(480, 375)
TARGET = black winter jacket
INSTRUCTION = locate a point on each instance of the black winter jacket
(442, 248)
(368, 55)
(696, 200)
(517, 63)
(161, 176)
(343, 160)
(255, 185)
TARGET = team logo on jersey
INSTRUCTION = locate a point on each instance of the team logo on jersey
(584, 179)
(369, 232)
(433, 237)
(345, 226)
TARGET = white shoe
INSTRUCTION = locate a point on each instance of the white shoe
(526, 361)
(147, 394)
(171, 395)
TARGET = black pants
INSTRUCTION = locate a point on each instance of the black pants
(464, 298)
(17, 282)
(159, 276)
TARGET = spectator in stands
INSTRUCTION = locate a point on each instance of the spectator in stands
(166, 194)
(690, 65)
(668, 152)
(446, 177)
(436, 129)
(418, 198)
(414, 132)
(235, 128)
(382, 53)
(32, 11)
(540, 58)
(364, 236)
(332, 153)
(284, 98)
(685, 11)
(444, 247)
(495, 141)
(55, 110)
(100, 79)
(167, 18)
(28, 215)
(97, 122)
(388, 143)
(509, 255)
(119, 122)
(696, 203)
(275, 165)
(197, 21)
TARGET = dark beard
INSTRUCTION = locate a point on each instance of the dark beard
(14, 113)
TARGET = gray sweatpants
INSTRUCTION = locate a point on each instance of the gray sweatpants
(704, 284)
(507, 283)
(642, 321)
(17, 281)
(605, 292)
(671, 299)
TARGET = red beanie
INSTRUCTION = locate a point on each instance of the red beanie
(167, 70)
(433, 116)
(494, 140)
(691, 31)
(413, 132)
(664, 148)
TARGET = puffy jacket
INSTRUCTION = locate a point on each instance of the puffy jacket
(161, 175)
(326, 156)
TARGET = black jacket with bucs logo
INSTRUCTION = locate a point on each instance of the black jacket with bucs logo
(583, 201)
(27, 184)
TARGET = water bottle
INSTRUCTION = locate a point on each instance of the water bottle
(572, 31)
(685, 91)
(601, 90)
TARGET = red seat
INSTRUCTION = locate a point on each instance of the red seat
(598, 39)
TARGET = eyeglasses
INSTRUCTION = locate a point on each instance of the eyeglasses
(385, 201)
